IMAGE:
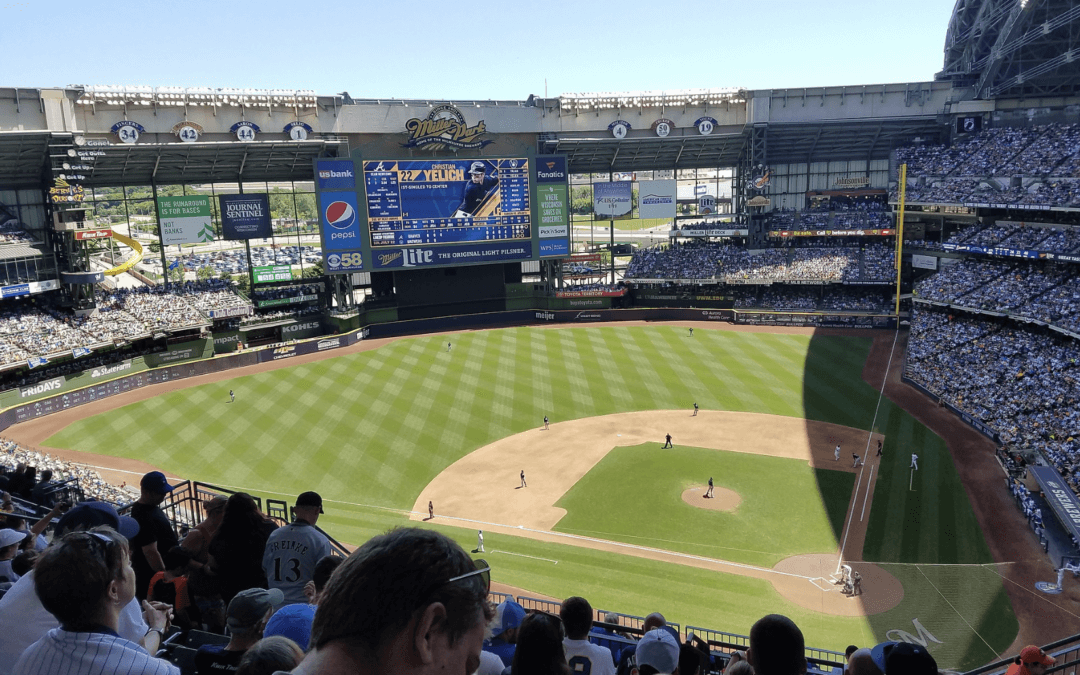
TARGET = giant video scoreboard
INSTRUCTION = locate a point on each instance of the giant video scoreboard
(401, 213)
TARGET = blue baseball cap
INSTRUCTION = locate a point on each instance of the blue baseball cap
(88, 515)
(293, 622)
(155, 482)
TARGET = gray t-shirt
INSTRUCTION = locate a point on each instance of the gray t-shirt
(290, 556)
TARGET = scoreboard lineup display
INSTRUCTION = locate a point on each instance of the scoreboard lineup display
(418, 202)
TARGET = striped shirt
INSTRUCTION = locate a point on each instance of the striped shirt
(62, 652)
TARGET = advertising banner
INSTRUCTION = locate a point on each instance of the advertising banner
(591, 294)
(29, 288)
(554, 211)
(335, 174)
(612, 200)
(115, 369)
(656, 199)
(229, 312)
(340, 221)
(185, 220)
(887, 232)
(924, 262)
(190, 351)
(82, 235)
(345, 262)
(265, 274)
(997, 251)
(245, 216)
(41, 387)
(698, 232)
(452, 255)
(1059, 496)
(303, 329)
(293, 300)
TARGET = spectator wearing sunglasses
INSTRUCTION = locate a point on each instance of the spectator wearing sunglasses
(408, 602)
(582, 655)
(85, 581)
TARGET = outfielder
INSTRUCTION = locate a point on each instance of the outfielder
(477, 190)
(232, 396)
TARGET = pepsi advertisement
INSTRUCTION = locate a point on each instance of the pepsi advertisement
(340, 221)
(447, 201)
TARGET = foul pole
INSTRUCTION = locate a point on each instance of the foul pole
(900, 237)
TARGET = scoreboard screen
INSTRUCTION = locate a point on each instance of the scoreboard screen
(447, 201)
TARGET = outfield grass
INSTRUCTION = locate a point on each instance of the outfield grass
(370, 430)
(644, 506)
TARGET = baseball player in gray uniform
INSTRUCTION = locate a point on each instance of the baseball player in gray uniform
(292, 551)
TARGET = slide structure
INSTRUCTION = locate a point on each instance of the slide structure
(130, 262)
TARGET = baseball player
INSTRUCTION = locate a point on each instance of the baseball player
(836, 453)
(691, 332)
(695, 409)
(856, 463)
(523, 483)
(476, 191)
(293, 550)
(545, 422)
(914, 461)
(430, 510)
(479, 541)
(667, 442)
(448, 346)
(879, 447)
(232, 396)
(708, 493)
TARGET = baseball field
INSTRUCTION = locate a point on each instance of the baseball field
(607, 513)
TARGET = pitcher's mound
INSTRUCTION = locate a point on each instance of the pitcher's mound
(723, 499)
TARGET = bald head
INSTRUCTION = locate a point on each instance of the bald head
(861, 663)
(654, 621)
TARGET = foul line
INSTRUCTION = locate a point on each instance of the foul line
(866, 497)
(866, 451)
(522, 555)
(992, 650)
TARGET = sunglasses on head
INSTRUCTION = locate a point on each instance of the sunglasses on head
(483, 570)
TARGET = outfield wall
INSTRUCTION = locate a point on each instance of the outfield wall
(60, 393)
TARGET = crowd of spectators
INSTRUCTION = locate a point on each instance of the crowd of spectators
(1023, 384)
(1047, 293)
(980, 168)
(690, 260)
(235, 261)
(11, 232)
(833, 215)
(808, 298)
(285, 292)
(15, 459)
(29, 330)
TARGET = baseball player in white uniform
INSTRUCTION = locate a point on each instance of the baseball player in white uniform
(480, 541)
(292, 551)
(914, 461)
(836, 452)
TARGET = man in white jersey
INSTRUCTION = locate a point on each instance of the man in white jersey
(292, 551)
(583, 656)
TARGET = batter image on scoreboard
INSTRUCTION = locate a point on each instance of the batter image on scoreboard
(480, 191)
(444, 201)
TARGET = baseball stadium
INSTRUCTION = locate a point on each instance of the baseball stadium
(714, 354)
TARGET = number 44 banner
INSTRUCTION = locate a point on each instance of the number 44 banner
(185, 220)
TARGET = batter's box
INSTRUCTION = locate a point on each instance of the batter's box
(823, 584)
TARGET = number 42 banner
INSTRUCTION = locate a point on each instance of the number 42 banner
(185, 220)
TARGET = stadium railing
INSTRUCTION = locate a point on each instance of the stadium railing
(1066, 653)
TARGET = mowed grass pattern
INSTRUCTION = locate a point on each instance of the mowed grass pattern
(370, 430)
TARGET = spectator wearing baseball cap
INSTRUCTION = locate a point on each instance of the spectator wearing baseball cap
(292, 551)
(1031, 661)
(294, 621)
(504, 628)
(903, 658)
(156, 535)
(9, 546)
(657, 653)
(246, 618)
(24, 620)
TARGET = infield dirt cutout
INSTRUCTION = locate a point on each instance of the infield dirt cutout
(483, 489)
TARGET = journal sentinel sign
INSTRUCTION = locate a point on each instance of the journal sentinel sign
(451, 255)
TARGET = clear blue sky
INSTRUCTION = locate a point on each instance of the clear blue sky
(502, 49)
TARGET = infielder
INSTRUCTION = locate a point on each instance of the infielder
(695, 409)
(708, 493)
(879, 447)
(545, 422)
(856, 461)
(293, 550)
(836, 453)
(667, 442)
(914, 461)
(479, 541)
(523, 483)
(476, 190)
(430, 510)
